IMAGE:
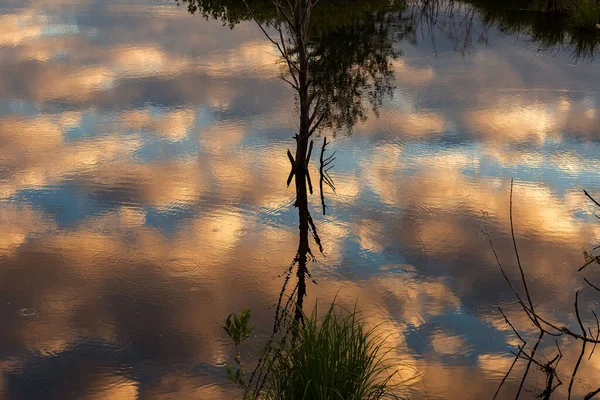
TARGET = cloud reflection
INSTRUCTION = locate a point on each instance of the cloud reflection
(171, 141)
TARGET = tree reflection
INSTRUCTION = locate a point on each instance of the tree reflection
(550, 32)
(349, 48)
(337, 56)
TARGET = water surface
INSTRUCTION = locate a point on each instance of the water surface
(143, 192)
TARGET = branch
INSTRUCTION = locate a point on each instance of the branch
(537, 343)
(291, 84)
(597, 335)
(582, 345)
(324, 176)
(591, 284)
(312, 130)
(597, 259)
(281, 51)
(293, 170)
(512, 327)
(310, 188)
(591, 394)
(512, 232)
(591, 198)
(507, 374)
(310, 147)
(316, 125)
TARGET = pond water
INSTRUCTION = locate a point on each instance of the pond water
(143, 192)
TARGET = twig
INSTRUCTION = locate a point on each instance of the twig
(591, 198)
(324, 175)
(310, 147)
(507, 374)
(512, 232)
(591, 284)
(582, 345)
(597, 259)
(516, 357)
(512, 327)
(310, 188)
(597, 334)
(537, 343)
(293, 170)
(591, 394)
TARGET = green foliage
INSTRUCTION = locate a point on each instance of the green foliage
(335, 356)
(238, 329)
(230, 12)
(585, 14)
(552, 6)
(579, 13)
(351, 66)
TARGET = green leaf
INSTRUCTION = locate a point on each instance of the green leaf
(230, 372)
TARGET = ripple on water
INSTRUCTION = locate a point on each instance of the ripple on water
(27, 312)
(391, 116)
(398, 269)
(180, 267)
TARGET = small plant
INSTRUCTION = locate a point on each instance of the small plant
(335, 356)
(585, 14)
(238, 329)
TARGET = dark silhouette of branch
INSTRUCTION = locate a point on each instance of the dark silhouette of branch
(291, 175)
(310, 188)
(512, 327)
(507, 374)
(308, 154)
(596, 259)
(590, 395)
(537, 343)
(512, 233)
(591, 284)
(597, 334)
(544, 326)
(324, 175)
(516, 356)
(582, 344)
(591, 198)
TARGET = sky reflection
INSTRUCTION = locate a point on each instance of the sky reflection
(142, 185)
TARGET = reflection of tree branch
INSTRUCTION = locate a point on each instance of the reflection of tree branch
(543, 326)
(315, 234)
(583, 344)
(512, 234)
(548, 368)
(324, 175)
(516, 356)
(293, 170)
(590, 395)
(591, 284)
(597, 334)
(283, 52)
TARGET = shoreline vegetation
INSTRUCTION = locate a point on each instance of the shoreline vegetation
(578, 14)
(331, 355)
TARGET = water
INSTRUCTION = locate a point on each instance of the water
(143, 198)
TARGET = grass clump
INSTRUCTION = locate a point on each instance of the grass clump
(553, 6)
(334, 356)
(585, 14)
